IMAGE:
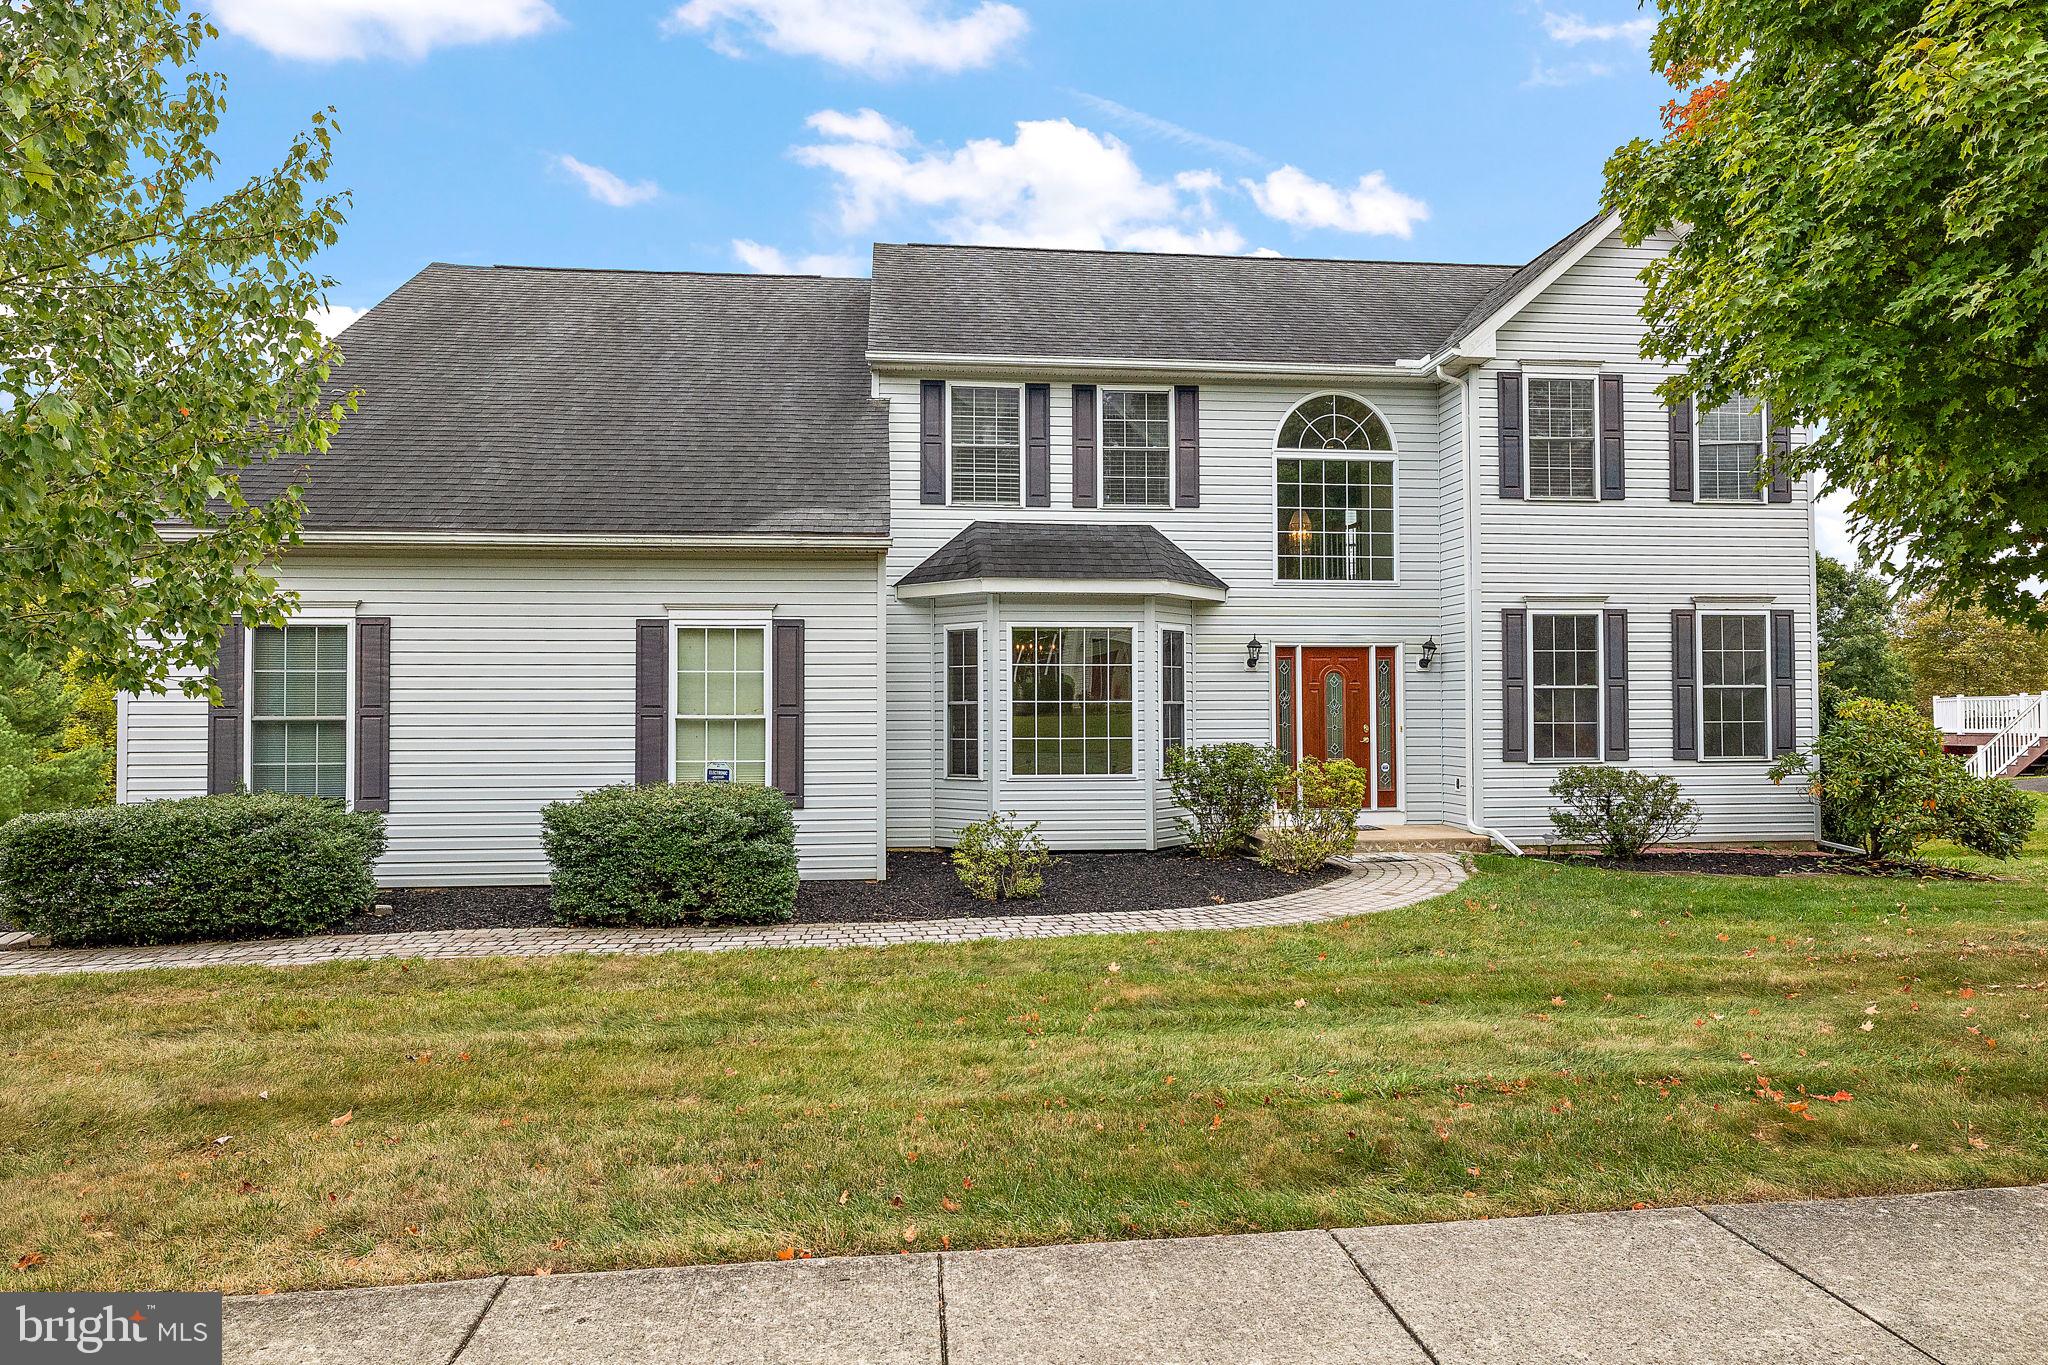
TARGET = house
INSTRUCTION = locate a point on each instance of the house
(996, 529)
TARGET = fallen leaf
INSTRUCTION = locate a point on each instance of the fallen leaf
(950, 1204)
(29, 1260)
(543, 1270)
(786, 1254)
(910, 1233)
(342, 1120)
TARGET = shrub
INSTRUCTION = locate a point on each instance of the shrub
(667, 855)
(1225, 792)
(1620, 810)
(1315, 815)
(1885, 785)
(172, 871)
(999, 859)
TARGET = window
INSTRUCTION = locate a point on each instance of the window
(987, 450)
(1136, 448)
(1735, 698)
(1173, 691)
(1564, 675)
(1335, 507)
(1070, 701)
(1731, 452)
(963, 703)
(1561, 430)
(722, 704)
(298, 713)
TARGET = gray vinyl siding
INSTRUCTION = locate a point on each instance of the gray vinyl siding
(512, 686)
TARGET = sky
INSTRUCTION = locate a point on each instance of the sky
(789, 135)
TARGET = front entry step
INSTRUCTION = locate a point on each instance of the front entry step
(1421, 839)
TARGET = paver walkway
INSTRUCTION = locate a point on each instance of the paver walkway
(1959, 1279)
(1375, 883)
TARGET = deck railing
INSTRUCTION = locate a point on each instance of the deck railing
(1981, 715)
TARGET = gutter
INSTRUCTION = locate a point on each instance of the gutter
(1509, 844)
(549, 540)
(923, 362)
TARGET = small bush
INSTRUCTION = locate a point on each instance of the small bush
(173, 871)
(1989, 816)
(1619, 810)
(1225, 792)
(664, 855)
(1315, 815)
(999, 859)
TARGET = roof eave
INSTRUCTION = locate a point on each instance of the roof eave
(1053, 367)
(1060, 587)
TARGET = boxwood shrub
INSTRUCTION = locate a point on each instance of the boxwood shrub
(172, 871)
(665, 855)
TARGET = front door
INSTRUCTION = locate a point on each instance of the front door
(1347, 707)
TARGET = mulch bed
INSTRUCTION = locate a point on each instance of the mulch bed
(1766, 862)
(921, 886)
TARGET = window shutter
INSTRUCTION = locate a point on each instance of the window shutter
(1781, 464)
(1084, 445)
(1681, 452)
(373, 713)
(1685, 686)
(1613, 464)
(650, 701)
(789, 710)
(1514, 685)
(1784, 664)
(224, 720)
(1038, 445)
(931, 435)
(1508, 421)
(1615, 694)
(1187, 446)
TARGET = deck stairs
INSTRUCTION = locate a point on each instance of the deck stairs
(2018, 745)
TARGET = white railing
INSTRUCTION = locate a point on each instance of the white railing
(1981, 715)
(2020, 734)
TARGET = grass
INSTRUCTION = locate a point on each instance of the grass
(1547, 1038)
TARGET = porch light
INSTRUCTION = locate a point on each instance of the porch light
(1428, 654)
(1252, 651)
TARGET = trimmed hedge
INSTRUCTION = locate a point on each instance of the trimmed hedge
(665, 855)
(172, 871)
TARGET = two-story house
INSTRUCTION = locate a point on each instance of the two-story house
(994, 531)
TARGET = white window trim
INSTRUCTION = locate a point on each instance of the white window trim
(1599, 685)
(321, 617)
(981, 708)
(1023, 440)
(1529, 493)
(1187, 675)
(1102, 501)
(1699, 673)
(1391, 456)
(1699, 484)
(1139, 770)
(722, 619)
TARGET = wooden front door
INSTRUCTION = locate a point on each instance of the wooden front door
(1348, 709)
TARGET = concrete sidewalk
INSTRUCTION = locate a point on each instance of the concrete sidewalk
(1957, 1278)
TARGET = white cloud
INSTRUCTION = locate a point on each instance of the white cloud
(1573, 29)
(606, 187)
(1371, 206)
(767, 260)
(863, 126)
(880, 37)
(1542, 77)
(335, 316)
(329, 30)
(1159, 127)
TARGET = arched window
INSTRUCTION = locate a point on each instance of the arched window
(1335, 492)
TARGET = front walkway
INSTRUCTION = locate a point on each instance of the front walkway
(1960, 1279)
(1377, 883)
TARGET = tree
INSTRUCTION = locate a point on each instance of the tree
(151, 345)
(1859, 656)
(1859, 187)
(48, 759)
(1965, 651)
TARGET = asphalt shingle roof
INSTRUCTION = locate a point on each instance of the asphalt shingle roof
(1061, 550)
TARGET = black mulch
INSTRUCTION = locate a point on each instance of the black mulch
(1768, 862)
(921, 886)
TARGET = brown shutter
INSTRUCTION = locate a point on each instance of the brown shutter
(1784, 666)
(1514, 685)
(1681, 452)
(789, 710)
(1038, 445)
(1084, 445)
(1781, 464)
(1615, 694)
(931, 441)
(1187, 446)
(650, 701)
(373, 713)
(1613, 464)
(224, 719)
(1507, 420)
(1685, 687)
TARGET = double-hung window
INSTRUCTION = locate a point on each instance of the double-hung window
(298, 712)
(1564, 678)
(1334, 493)
(1563, 429)
(987, 440)
(1137, 448)
(1730, 439)
(1173, 692)
(1735, 693)
(1070, 701)
(721, 711)
(963, 703)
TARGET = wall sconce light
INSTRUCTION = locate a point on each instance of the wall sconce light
(1428, 654)
(1252, 651)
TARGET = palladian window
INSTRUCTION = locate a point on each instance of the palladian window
(1335, 485)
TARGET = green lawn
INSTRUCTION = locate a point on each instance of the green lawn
(1545, 1039)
